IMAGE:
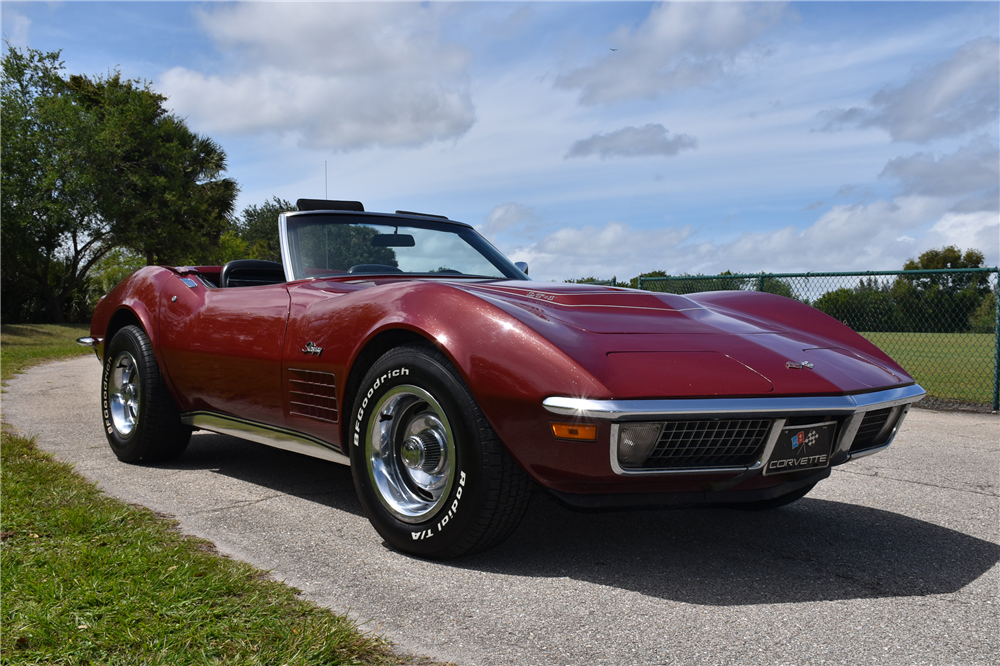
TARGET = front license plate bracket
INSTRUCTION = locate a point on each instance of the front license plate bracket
(802, 447)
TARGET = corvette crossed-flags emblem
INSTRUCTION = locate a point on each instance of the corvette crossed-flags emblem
(802, 438)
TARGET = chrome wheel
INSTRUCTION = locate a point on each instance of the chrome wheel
(432, 475)
(124, 385)
(410, 453)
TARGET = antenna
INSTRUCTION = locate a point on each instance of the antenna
(326, 181)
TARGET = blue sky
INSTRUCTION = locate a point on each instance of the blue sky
(591, 138)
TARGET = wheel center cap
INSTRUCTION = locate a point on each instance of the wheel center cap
(422, 451)
(413, 453)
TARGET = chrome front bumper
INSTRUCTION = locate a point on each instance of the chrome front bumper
(712, 407)
(93, 343)
(849, 409)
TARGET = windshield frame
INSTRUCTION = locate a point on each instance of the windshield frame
(288, 222)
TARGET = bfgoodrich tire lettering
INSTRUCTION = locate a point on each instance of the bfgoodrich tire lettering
(141, 420)
(432, 476)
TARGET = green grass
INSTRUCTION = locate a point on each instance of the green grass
(85, 579)
(90, 580)
(25, 345)
(950, 366)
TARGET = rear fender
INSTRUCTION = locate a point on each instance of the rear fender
(134, 301)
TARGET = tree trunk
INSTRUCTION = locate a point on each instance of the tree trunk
(54, 303)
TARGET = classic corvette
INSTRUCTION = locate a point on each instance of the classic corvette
(408, 347)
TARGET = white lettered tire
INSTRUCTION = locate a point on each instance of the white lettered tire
(141, 420)
(432, 476)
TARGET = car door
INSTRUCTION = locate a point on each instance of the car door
(222, 347)
(321, 334)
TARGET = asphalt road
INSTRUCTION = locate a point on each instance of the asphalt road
(893, 560)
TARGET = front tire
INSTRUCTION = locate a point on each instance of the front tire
(432, 475)
(141, 420)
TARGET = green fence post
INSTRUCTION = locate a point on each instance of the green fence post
(996, 347)
(640, 283)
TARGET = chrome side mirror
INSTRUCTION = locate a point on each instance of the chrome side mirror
(521, 266)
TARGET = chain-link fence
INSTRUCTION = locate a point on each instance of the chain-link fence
(940, 325)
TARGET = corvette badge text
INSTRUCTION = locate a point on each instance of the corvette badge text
(801, 442)
(791, 463)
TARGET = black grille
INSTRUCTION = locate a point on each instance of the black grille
(714, 443)
(868, 433)
(313, 394)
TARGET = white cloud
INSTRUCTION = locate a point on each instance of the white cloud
(854, 237)
(979, 230)
(972, 168)
(958, 95)
(680, 45)
(504, 218)
(19, 27)
(633, 142)
(340, 76)
(615, 249)
(877, 236)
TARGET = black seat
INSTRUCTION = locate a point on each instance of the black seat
(373, 268)
(251, 273)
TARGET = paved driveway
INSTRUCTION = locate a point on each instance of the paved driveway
(893, 560)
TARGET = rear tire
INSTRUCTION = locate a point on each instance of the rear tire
(433, 477)
(141, 420)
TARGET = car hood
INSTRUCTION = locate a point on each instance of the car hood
(599, 309)
(642, 344)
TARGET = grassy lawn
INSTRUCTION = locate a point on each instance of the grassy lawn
(86, 579)
(22, 346)
(953, 366)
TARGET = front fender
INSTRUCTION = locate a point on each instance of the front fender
(509, 367)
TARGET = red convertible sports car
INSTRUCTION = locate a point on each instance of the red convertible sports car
(408, 347)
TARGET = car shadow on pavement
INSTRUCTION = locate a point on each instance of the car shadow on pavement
(813, 550)
(321, 481)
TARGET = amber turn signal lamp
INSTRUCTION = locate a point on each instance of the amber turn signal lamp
(577, 431)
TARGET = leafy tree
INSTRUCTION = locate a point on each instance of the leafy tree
(634, 282)
(257, 226)
(866, 307)
(158, 183)
(725, 281)
(90, 165)
(52, 232)
(773, 285)
(590, 280)
(984, 318)
(945, 258)
(114, 267)
(340, 246)
(942, 302)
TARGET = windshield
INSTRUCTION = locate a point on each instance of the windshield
(327, 244)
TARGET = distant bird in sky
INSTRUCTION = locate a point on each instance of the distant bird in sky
(614, 49)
